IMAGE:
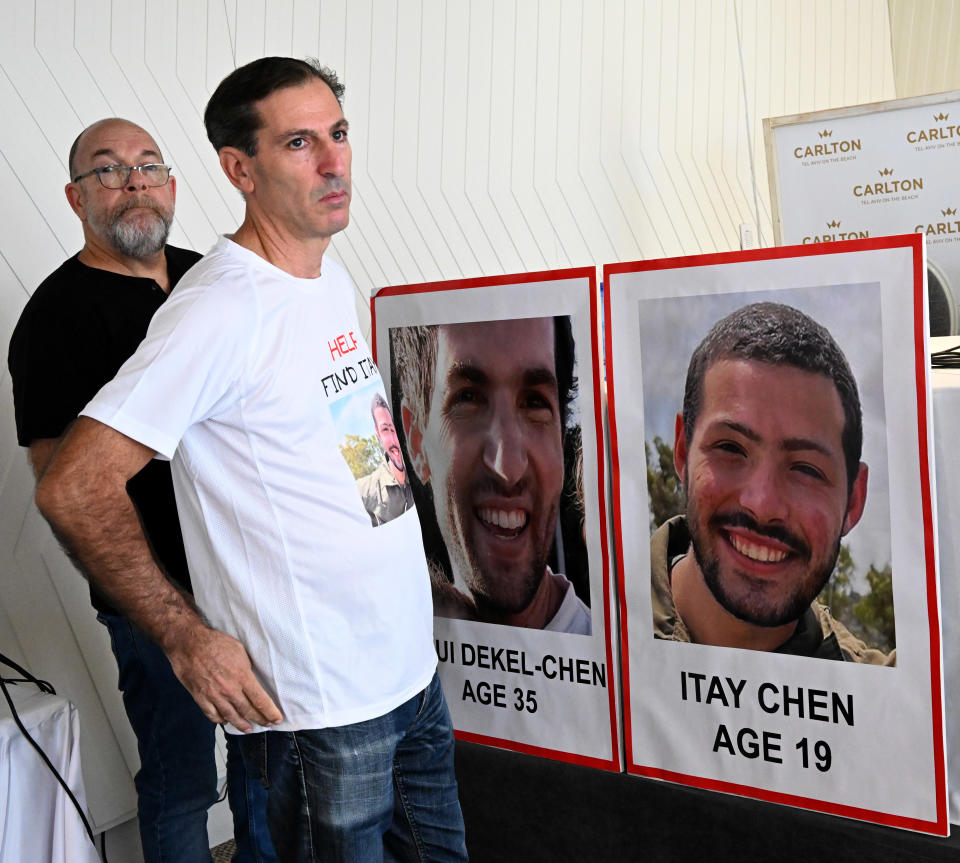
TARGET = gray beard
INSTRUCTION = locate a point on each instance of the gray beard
(136, 242)
(130, 239)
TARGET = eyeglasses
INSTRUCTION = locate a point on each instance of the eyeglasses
(116, 176)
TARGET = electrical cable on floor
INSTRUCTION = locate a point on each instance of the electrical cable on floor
(949, 358)
(26, 676)
(47, 688)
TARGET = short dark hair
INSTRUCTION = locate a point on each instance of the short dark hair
(231, 117)
(778, 334)
(415, 356)
(378, 401)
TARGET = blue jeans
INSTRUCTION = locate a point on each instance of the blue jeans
(383, 789)
(177, 780)
(248, 803)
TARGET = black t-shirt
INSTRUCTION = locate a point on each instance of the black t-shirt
(78, 328)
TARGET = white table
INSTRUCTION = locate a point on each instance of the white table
(37, 820)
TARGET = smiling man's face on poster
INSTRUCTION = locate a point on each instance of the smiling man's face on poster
(768, 498)
(484, 421)
(768, 449)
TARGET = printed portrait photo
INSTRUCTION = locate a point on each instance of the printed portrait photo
(766, 463)
(489, 427)
(371, 448)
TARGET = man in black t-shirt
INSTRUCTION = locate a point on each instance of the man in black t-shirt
(78, 328)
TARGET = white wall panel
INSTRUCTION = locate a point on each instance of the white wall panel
(372, 32)
(924, 34)
(398, 125)
(489, 136)
(483, 140)
(518, 138)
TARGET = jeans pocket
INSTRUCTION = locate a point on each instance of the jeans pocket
(427, 695)
(262, 761)
(252, 750)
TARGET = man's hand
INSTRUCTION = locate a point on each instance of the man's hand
(216, 671)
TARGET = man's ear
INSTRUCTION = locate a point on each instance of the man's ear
(414, 436)
(679, 447)
(75, 200)
(857, 500)
(236, 165)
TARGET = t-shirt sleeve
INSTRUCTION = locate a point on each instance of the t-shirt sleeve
(186, 369)
(56, 366)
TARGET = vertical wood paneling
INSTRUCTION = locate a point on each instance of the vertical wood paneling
(376, 82)
(22, 214)
(369, 219)
(551, 102)
(503, 139)
(277, 28)
(305, 29)
(924, 37)
(184, 30)
(603, 204)
(727, 119)
(578, 74)
(486, 142)
(526, 50)
(458, 68)
(236, 35)
(331, 44)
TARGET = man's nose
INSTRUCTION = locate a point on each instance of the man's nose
(333, 160)
(505, 450)
(762, 494)
(136, 181)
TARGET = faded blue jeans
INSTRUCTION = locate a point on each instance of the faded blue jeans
(248, 803)
(383, 789)
(177, 780)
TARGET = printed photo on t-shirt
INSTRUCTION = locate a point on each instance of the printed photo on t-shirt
(371, 449)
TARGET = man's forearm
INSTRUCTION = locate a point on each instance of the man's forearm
(83, 494)
(105, 540)
(92, 515)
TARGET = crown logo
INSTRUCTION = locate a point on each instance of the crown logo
(941, 117)
(833, 224)
(949, 212)
(886, 172)
(826, 133)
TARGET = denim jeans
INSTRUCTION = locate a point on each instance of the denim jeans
(177, 780)
(248, 803)
(383, 789)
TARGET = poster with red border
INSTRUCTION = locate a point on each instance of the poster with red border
(764, 534)
(495, 391)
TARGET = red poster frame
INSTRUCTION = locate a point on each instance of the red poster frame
(939, 826)
(590, 273)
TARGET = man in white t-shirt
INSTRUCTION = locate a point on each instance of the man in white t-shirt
(484, 412)
(308, 637)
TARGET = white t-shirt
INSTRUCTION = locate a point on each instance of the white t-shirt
(572, 616)
(256, 383)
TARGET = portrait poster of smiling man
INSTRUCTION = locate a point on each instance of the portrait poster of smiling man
(493, 386)
(773, 520)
